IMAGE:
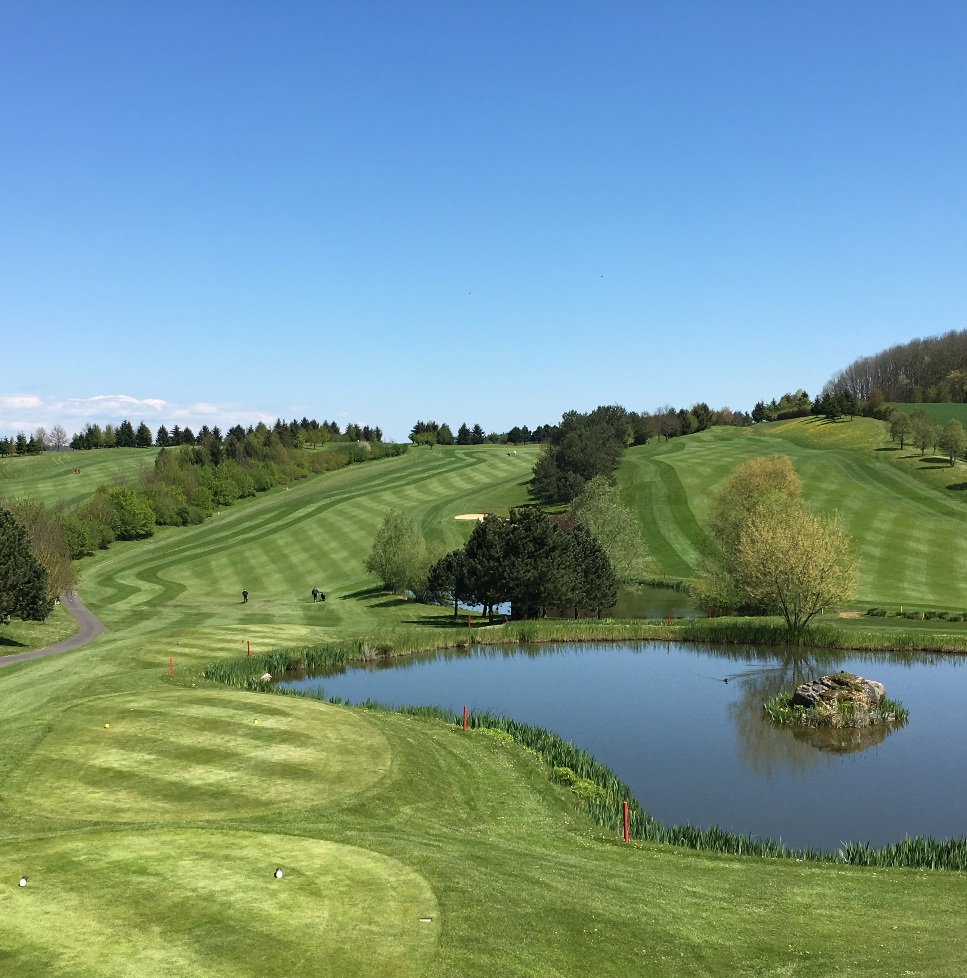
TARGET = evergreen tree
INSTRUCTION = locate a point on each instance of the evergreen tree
(125, 437)
(23, 580)
(142, 437)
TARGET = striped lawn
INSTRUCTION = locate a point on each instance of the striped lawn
(50, 477)
(150, 843)
(908, 535)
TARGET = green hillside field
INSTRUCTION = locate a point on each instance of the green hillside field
(150, 812)
(907, 532)
(937, 413)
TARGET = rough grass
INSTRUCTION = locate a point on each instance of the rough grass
(146, 856)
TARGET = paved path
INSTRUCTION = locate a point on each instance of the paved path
(88, 628)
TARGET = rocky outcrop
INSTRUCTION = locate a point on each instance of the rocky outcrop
(841, 687)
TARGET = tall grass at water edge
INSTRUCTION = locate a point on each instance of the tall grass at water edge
(600, 791)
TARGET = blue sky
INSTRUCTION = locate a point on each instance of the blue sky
(484, 212)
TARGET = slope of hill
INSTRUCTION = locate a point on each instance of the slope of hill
(907, 533)
(50, 477)
(150, 812)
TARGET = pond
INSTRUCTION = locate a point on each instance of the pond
(695, 748)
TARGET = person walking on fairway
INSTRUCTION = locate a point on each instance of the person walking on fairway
(245, 597)
(315, 594)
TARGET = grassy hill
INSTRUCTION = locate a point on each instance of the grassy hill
(50, 477)
(150, 813)
(907, 533)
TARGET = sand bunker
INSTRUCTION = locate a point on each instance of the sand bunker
(470, 516)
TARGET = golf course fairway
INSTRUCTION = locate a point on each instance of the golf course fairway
(149, 807)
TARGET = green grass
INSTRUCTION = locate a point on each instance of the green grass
(907, 534)
(150, 844)
(19, 636)
(50, 477)
(937, 413)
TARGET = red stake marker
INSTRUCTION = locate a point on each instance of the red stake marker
(625, 806)
(249, 644)
(464, 718)
(171, 666)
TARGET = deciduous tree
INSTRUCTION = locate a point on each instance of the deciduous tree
(399, 557)
(769, 553)
(953, 439)
(599, 509)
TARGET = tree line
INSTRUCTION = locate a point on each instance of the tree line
(293, 434)
(930, 369)
(433, 433)
(584, 446)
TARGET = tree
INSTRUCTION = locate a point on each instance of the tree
(599, 510)
(48, 543)
(581, 447)
(540, 567)
(131, 515)
(447, 579)
(23, 580)
(923, 432)
(953, 439)
(596, 584)
(125, 435)
(485, 558)
(792, 562)
(900, 427)
(58, 437)
(769, 553)
(741, 494)
(399, 556)
(142, 437)
(42, 439)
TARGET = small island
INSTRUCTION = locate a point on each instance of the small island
(840, 700)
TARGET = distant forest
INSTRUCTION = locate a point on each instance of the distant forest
(933, 369)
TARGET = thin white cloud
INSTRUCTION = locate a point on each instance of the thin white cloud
(27, 412)
(19, 402)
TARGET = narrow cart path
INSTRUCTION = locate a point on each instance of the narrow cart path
(88, 628)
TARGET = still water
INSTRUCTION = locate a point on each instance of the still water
(694, 748)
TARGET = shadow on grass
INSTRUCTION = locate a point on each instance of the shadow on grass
(887, 448)
(366, 592)
(957, 487)
(11, 643)
(392, 601)
(458, 624)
